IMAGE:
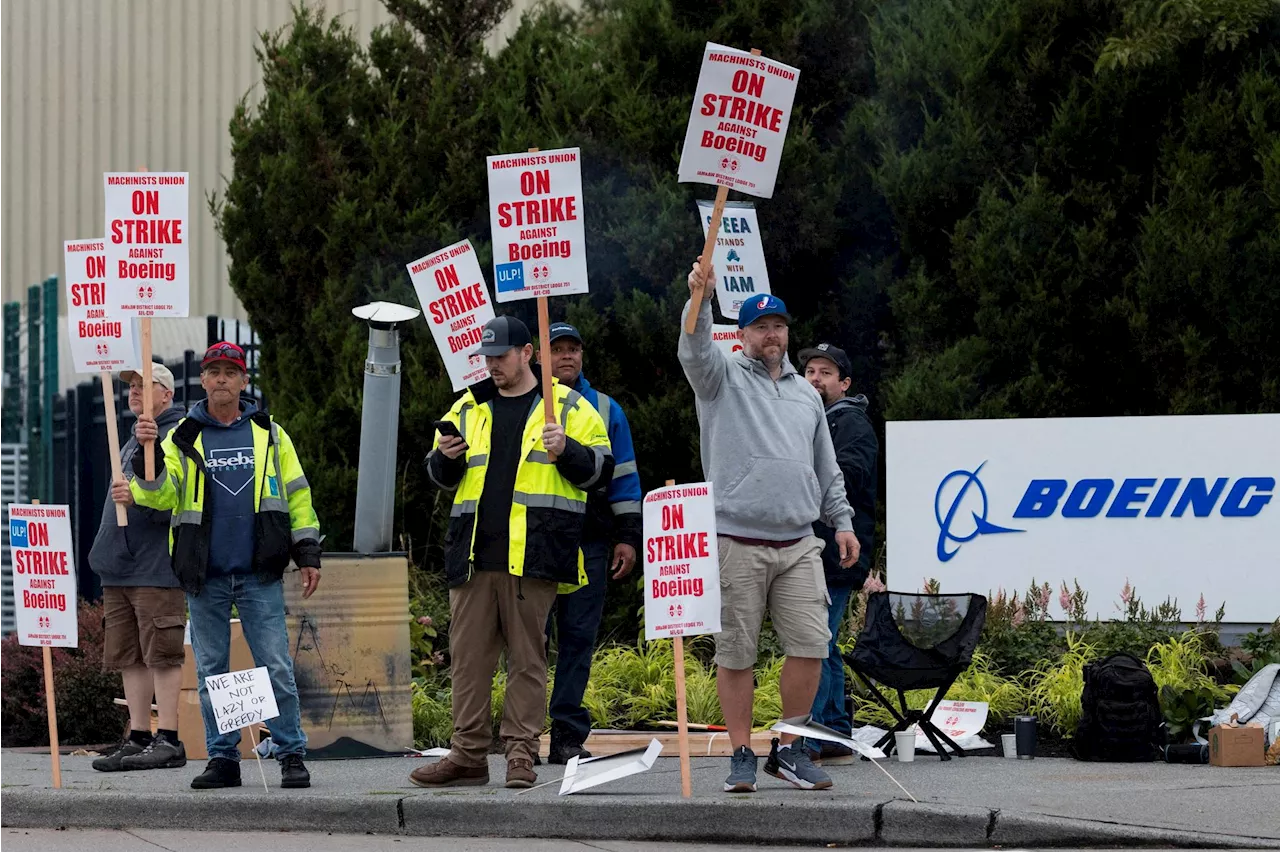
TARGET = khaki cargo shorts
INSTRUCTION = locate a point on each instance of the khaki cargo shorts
(144, 627)
(790, 582)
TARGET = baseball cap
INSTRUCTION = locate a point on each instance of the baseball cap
(223, 351)
(761, 306)
(563, 329)
(501, 334)
(834, 354)
(159, 373)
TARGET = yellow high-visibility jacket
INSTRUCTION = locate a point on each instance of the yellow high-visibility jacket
(549, 502)
(285, 523)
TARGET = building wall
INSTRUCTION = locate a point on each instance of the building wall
(111, 85)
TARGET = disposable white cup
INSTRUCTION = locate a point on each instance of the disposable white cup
(1010, 744)
(905, 745)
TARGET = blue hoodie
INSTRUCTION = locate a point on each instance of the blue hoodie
(615, 512)
(228, 503)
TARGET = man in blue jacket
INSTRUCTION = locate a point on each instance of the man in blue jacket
(613, 515)
(829, 370)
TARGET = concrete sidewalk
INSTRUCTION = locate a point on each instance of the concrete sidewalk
(970, 802)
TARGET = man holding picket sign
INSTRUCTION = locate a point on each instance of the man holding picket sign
(765, 445)
(520, 498)
(145, 610)
(242, 507)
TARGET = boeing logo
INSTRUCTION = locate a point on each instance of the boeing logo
(965, 479)
(965, 497)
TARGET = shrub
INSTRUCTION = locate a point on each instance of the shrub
(1056, 687)
(85, 693)
(432, 713)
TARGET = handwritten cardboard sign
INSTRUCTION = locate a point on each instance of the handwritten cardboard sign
(44, 575)
(681, 562)
(535, 210)
(456, 304)
(738, 257)
(241, 699)
(739, 120)
(147, 244)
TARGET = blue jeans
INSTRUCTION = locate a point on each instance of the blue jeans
(828, 704)
(577, 619)
(261, 607)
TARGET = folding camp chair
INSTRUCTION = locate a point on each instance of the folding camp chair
(912, 641)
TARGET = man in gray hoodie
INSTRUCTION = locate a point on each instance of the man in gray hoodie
(145, 611)
(767, 450)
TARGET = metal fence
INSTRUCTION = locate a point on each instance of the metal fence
(13, 489)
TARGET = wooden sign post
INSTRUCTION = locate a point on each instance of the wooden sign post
(544, 355)
(682, 712)
(113, 438)
(746, 157)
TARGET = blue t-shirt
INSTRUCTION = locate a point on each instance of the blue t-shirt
(229, 498)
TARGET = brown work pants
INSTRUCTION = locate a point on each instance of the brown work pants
(491, 611)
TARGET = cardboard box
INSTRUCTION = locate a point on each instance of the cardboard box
(1236, 746)
(190, 721)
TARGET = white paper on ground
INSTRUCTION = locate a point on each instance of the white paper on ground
(583, 774)
(804, 726)
(869, 734)
(430, 752)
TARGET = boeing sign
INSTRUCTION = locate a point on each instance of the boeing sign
(1149, 497)
(1179, 506)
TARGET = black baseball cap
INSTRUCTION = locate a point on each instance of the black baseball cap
(501, 334)
(834, 354)
(563, 329)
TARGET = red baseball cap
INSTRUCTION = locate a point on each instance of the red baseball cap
(224, 351)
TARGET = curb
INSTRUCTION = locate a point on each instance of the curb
(601, 817)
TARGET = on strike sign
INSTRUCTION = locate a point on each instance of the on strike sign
(739, 121)
(738, 257)
(535, 209)
(98, 341)
(455, 302)
(681, 562)
(148, 264)
(44, 575)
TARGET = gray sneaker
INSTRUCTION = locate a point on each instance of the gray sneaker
(742, 772)
(163, 753)
(114, 760)
(794, 766)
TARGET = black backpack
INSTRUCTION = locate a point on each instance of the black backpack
(1120, 716)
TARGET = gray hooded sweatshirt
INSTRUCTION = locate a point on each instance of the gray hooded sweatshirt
(136, 555)
(765, 445)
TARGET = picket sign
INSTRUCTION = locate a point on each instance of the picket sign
(455, 303)
(738, 256)
(737, 127)
(154, 222)
(241, 700)
(40, 544)
(101, 341)
(681, 583)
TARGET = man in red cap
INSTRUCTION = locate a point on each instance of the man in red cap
(242, 510)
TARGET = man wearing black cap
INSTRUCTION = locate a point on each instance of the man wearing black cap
(829, 370)
(520, 498)
(613, 513)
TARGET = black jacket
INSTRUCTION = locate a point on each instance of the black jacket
(857, 451)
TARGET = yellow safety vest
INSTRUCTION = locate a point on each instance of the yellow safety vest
(547, 511)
